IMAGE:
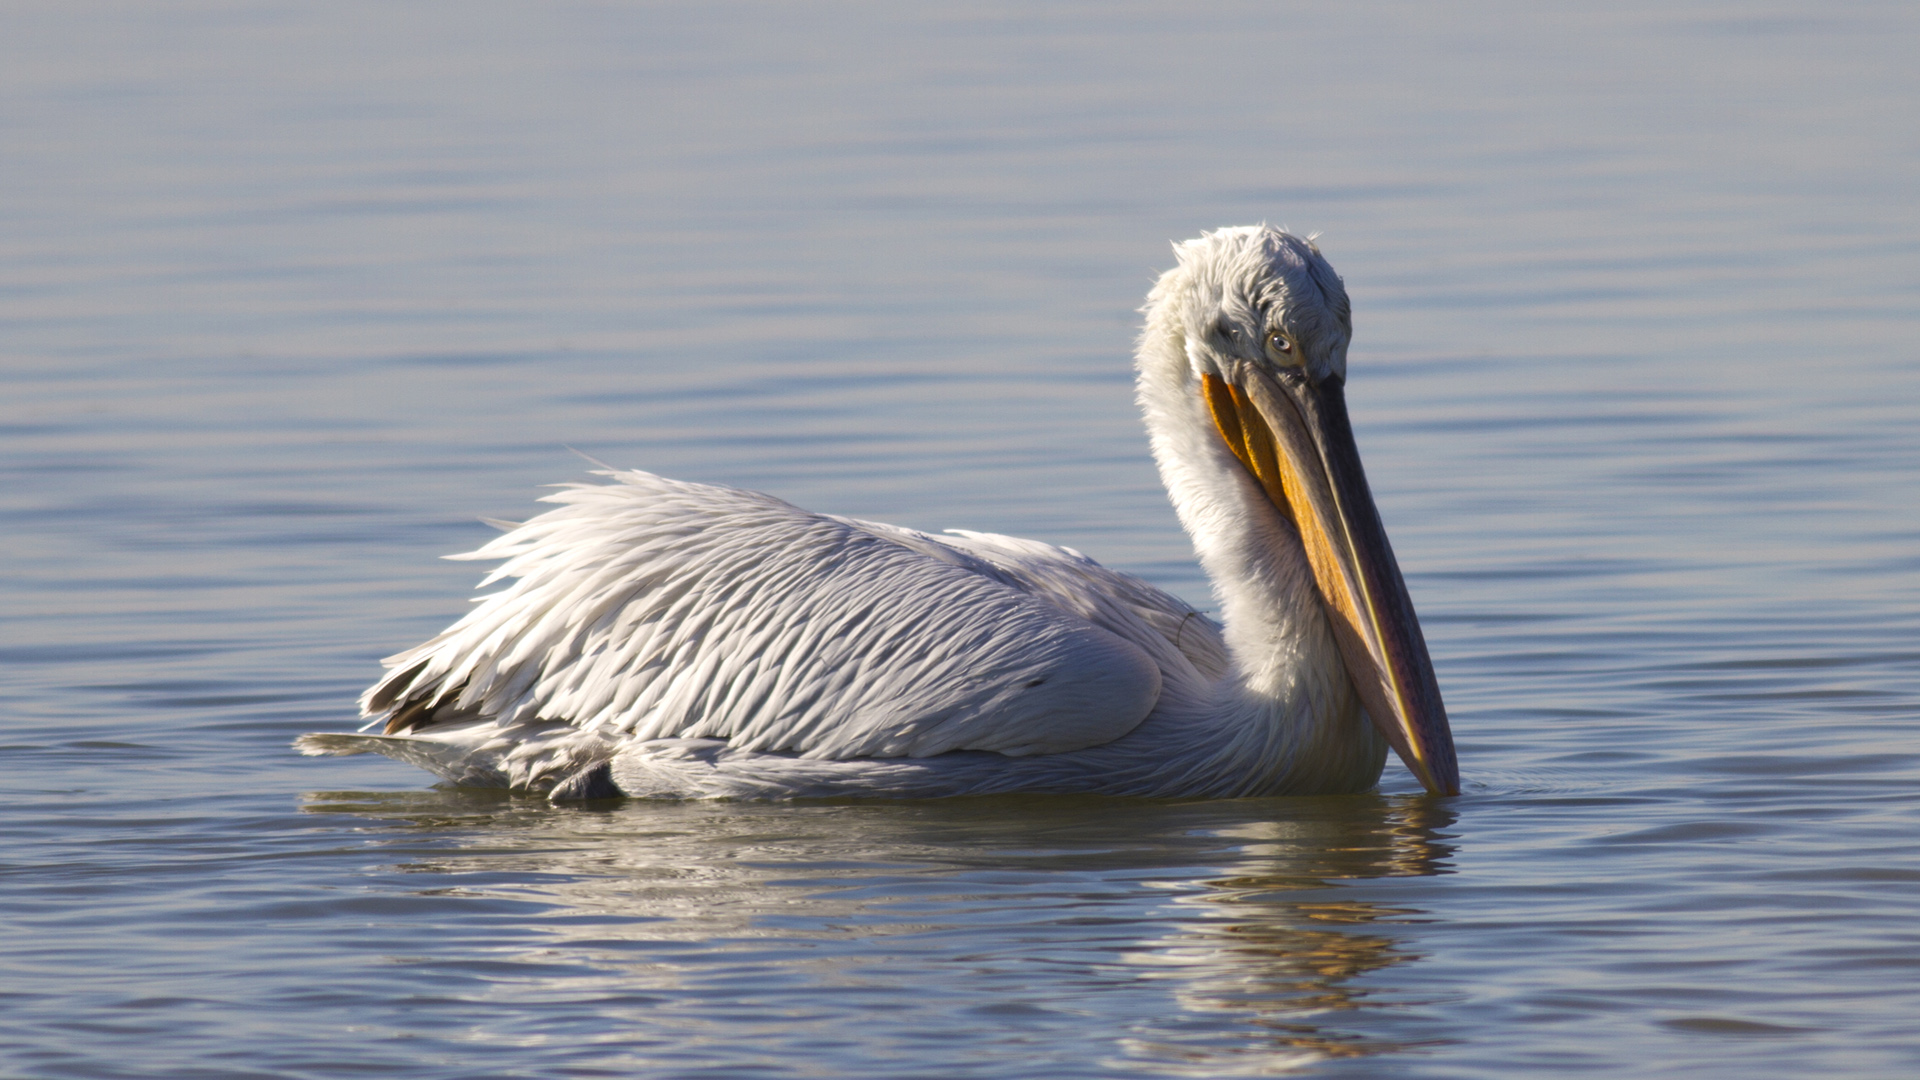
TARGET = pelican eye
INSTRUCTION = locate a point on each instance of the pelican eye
(1279, 349)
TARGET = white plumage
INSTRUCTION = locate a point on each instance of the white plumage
(662, 638)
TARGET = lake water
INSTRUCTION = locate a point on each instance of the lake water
(291, 295)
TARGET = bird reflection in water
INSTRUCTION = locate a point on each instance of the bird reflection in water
(1280, 950)
(1210, 938)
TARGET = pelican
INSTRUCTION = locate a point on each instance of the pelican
(659, 638)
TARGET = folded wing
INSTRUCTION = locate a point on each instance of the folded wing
(652, 608)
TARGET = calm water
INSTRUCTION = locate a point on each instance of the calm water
(291, 295)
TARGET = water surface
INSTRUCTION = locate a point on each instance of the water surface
(290, 297)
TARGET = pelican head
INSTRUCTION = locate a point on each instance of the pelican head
(1242, 375)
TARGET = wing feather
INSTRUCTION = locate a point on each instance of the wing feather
(649, 608)
(1177, 636)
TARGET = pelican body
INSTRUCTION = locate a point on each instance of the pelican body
(657, 638)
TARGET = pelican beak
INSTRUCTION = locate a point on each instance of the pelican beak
(1293, 435)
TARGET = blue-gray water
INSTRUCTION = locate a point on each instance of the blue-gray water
(290, 295)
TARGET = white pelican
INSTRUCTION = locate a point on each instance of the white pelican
(663, 638)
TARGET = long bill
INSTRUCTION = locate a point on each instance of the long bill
(1293, 435)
